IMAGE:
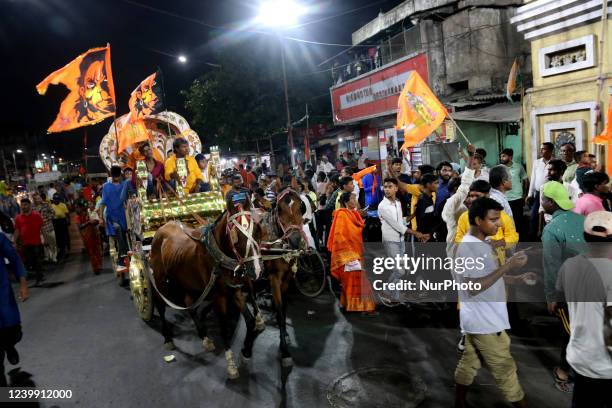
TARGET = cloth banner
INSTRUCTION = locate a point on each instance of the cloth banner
(147, 98)
(92, 92)
(419, 113)
(129, 133)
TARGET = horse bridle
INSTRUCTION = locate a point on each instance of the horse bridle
(243, 222)
(287, 229)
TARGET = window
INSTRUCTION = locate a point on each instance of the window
(568, 56)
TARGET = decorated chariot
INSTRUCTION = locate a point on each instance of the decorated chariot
(145, 214)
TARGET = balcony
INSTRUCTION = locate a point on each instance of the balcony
(358, 62)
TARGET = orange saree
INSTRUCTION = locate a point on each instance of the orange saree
(346, 246)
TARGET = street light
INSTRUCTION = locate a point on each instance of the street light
(279, 13)
(282, 13)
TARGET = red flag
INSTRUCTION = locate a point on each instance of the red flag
(92, 93)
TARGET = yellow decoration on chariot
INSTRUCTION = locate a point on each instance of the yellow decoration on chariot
(181, 170)
(156, 212)
(143, 176)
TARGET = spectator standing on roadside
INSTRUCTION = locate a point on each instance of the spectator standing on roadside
(566, 154)
(596, 188)
(46, 212)
(520, 184)
(538, 177)
(61, 221)
(28, 227)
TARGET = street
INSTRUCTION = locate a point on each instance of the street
(81, 332)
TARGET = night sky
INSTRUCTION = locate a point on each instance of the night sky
(40, 36)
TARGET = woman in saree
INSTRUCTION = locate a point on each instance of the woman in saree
(88, 226)
(346, 247)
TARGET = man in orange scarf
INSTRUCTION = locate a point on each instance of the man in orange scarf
(346, 247)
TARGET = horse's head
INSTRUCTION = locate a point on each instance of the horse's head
(243, 231)
(290, 210)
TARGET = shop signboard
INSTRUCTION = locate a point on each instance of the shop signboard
(376, 93)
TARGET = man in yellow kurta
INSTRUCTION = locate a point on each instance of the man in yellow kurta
(506, 237)
(194, 175)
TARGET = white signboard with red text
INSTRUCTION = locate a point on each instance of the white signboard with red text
(375, 94)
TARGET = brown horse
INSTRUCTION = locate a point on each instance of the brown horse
(186, 270)
(284, 225)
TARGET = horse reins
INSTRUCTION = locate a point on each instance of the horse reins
(246, 228)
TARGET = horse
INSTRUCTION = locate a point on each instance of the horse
(189, 265)
(284, 224)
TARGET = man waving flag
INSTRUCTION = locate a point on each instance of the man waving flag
(92, 93)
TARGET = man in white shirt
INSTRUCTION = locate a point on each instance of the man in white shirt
(483, 313)
(454, 207)
(394, 230)
(51, 191)
(324, 165)
(538, 177)
(585, 283)
(501, 182)
(361, 162)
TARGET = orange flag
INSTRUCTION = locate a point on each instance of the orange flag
(129, 133)
(146, 99)
(606, 137)
(511, 84)
(419, 113)
(92, 93)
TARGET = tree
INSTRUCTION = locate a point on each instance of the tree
(238, 103)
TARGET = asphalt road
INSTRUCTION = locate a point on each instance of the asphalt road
(82, 333)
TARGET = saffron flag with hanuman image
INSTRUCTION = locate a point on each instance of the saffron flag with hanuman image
(92, 93)
(146, 99)
(419, 112)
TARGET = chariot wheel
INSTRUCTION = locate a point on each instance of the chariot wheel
(310, 278)
(141, 287)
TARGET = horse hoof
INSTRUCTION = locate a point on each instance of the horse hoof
(169, 345)
(260, 323)
(232, 370)
(287, 362)
(244, 360)
(208, 344)
(232, 373)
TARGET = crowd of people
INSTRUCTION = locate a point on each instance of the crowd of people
(476, 210)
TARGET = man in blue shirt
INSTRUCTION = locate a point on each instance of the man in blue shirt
(114, 195)
(10, 321)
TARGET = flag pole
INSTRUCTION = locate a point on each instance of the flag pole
(116, 135)
(163, 85)
(459, 129)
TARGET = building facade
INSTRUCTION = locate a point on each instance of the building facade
(571, 53)
(463, 49)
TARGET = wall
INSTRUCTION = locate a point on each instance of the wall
(482, 134)
(567, 88)
(479, 48)
(539, 81)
